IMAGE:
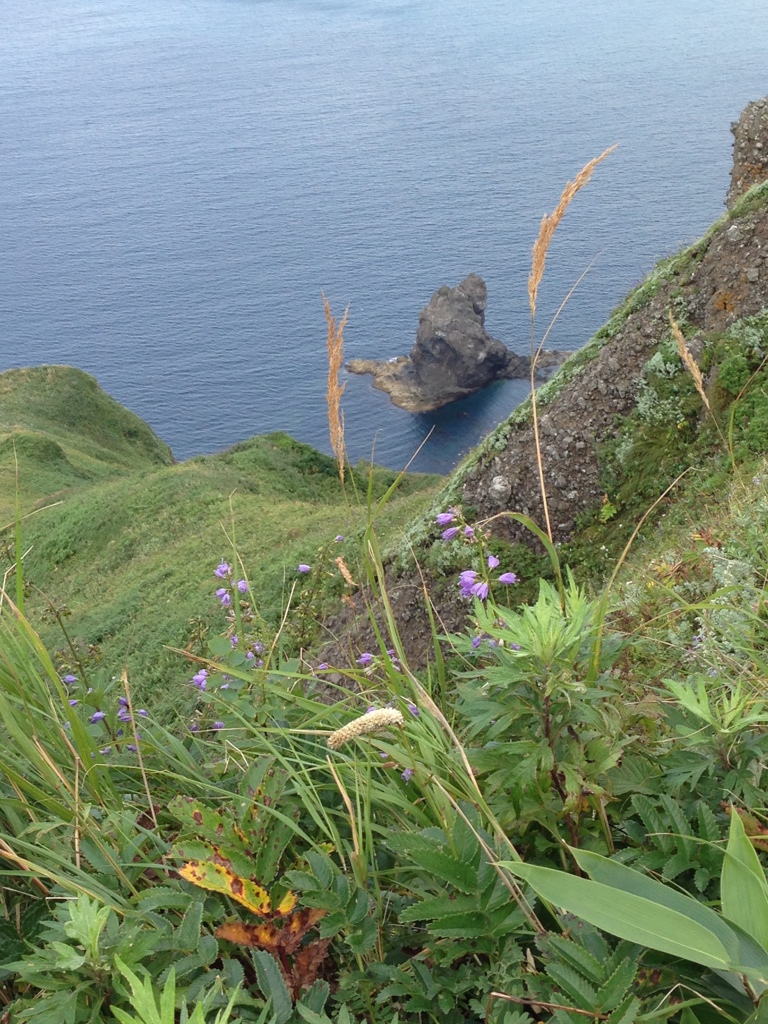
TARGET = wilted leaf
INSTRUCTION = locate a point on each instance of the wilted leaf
(308, 962)
(257, 936)
(219, 878)
(297, 926)
(267, 936)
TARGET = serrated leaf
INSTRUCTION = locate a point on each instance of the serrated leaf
(681, 825)
(188, 932)
(285, 936)
(709, 828)
(656, 827)
(236, 861)
(676, 865)
(311, 1016)
(436, 907)
(578, 957)
(272, 985)
(433, 856)
(163, 897)
(468, 926)
(208, 949)
(316, 996)
(322, 868)
(702, 878)
(627, 1012)
(220, 878)
(574, 984)
(616, 988)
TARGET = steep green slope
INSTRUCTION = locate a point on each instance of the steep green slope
(66, 432)
(126, 555)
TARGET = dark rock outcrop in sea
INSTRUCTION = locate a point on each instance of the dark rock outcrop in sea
(453, 357)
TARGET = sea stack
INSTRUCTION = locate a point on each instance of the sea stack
(453, 357)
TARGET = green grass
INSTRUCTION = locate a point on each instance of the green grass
(127, 555)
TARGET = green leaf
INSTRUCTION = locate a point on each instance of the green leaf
(434, 856)
(644, 921)
(627, 1012)
(743, 889)
(310, 1016)
(688, 1016)
(743, 951)
(143, 999)
(272, 984)
(617, 987)
(574, 985)
(322, 868)
(578, 957)
(163, 897)
(436, 907)
(188, 932)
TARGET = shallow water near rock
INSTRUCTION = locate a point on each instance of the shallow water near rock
(182, 180)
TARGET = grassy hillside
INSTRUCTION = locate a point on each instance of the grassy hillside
(126, 555)
(66, 432)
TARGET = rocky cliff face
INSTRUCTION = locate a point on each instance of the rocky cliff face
(750, 150)
(453, 357)
(718, 281)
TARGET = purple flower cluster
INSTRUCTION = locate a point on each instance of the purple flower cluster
(449, 517)
(224, 571)
(200, 679)
(471, 586)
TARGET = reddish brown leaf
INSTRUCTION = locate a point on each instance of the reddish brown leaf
(307, 963)
(297, 926)
(258, 936)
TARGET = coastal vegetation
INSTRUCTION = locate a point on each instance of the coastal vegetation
(557, 816)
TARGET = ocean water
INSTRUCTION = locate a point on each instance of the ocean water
(182, 179)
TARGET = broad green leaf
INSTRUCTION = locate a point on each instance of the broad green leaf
(743, 951)
(742, 884)
(635, 918)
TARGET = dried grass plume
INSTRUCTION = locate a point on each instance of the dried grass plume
(549, 224)
(335, 389)
(689, 362)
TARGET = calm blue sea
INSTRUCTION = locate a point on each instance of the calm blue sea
(181, 179)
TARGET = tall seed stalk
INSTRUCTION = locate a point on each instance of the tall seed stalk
(335, 389)
(547, 230)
